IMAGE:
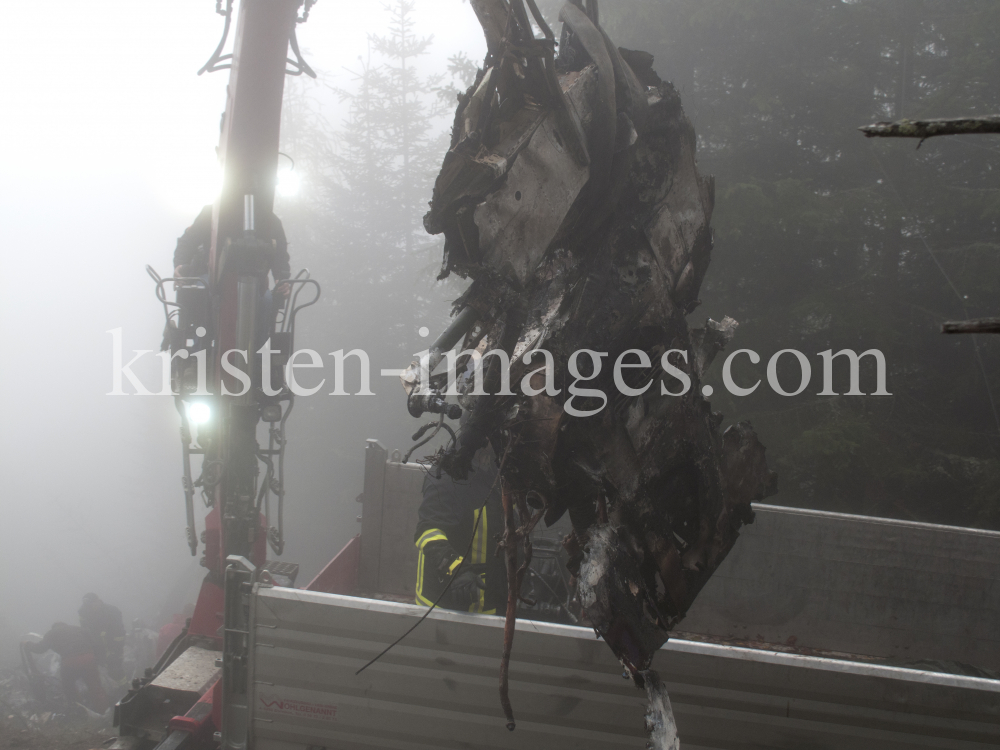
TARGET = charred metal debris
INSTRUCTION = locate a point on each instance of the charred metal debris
(571, 198)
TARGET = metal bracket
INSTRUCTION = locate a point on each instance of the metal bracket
(217, 57)
(240, 575)
(299, 66)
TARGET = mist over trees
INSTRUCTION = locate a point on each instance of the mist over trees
(356, 223)
(823, 239)
(826, 240)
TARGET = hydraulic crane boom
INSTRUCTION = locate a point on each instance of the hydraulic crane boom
(222, 319)
(238, 264)
(249, 153)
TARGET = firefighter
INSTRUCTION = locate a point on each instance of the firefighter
(104, 626)
(191, 254)
(191, 260)
(77, 661)
(453, 514)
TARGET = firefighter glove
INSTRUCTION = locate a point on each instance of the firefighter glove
(466, 587)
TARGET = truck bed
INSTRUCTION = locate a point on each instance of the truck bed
(816, 633)
(438, 688)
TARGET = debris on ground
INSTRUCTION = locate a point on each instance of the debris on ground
(35, 716)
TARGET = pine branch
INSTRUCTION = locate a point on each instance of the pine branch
(929, 128)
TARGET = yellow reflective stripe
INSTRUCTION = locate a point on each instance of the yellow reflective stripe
(420, 577)
(451, 568)
(482, 535)
(479, 606)
(479, 542)
(420, 598)
(431, 535)
(479, 545)
(485, 535)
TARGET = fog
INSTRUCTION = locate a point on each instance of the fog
(822, 240)
(109, 154)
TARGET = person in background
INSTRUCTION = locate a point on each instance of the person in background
(77, 661)
(103, 624)
(191, 253)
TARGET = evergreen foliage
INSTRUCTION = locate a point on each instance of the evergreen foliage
(356, 223)
(826, 240)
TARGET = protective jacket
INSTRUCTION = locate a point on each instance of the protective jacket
(66, 640)
(452, 515)
(193, 246)
(76, 662)
(103, 623)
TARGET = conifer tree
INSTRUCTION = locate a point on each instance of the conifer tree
(825, 239)
(356, 223)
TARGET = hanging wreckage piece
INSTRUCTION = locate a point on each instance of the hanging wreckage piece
(571, 198)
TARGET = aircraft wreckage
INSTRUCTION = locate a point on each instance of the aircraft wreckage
(571, 198)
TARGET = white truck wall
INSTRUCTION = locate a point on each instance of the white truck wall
(438, 688)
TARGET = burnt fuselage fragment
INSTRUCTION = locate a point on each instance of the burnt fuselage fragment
(571, 198)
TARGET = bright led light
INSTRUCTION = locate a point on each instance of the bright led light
(199, 412)
(288, 183)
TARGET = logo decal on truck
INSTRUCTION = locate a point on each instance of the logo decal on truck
(298, 709)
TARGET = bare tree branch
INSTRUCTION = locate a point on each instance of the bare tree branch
(982, 325)
(928, 128)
